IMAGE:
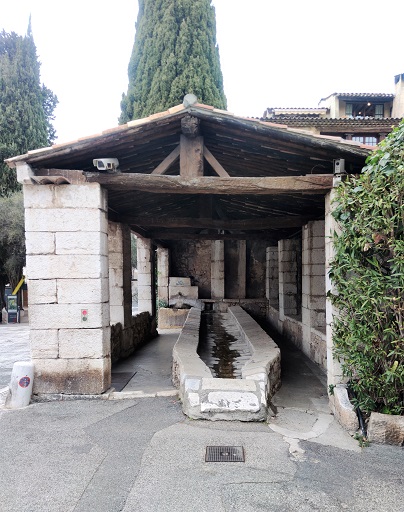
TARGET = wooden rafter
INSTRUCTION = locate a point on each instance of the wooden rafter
(216, 166)
(163, 167)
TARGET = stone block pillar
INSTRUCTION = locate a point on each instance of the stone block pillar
(242, 268)
(217, 269)
(120, 273)
(163, 272)
(272, 276)
(67, 271)
(334, 372)
(288, 252)
(313, 286)
(144, 275)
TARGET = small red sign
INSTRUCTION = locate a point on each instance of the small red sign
(24, 382)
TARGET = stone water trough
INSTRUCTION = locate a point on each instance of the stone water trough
(206, 397)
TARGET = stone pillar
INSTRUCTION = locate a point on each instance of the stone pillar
(334, 372)
(272, 276)
(163, 272)
(313, 286)
(120, 273)
(288, 278)
(144, 275)
(67, 271)
(241, 268)
(217, 269)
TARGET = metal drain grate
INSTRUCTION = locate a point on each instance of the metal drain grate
(224, 454)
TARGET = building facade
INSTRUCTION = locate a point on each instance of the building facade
(362, 117)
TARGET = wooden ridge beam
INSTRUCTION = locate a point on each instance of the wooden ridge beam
(160, 184)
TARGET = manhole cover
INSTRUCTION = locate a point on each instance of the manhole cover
(224, 454)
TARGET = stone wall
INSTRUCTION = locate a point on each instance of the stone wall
(192, 258)
(256, 269)
(124, 341)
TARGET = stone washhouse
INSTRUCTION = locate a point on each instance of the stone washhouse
(238, 208)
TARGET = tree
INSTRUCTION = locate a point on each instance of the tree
(26, 115)
(12, 245)
(26, 106)
(368, 272)
(174, 54)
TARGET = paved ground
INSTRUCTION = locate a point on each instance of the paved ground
(144, 455)
(14, 346)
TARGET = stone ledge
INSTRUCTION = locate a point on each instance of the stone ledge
(266, 358)
(344, 411)
(386, 429)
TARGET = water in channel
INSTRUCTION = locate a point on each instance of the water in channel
(221, 346)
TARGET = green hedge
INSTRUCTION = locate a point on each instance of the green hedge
(368, 274)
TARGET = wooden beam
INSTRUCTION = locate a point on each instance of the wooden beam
(191, 157)
(190, 126)
(168, 161)
(208, 223)
(216, 166)
(175, 235)
(310, 184)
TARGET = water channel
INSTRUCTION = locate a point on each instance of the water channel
(221, 346)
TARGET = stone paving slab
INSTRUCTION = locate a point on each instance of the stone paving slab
(14, 346)
(142, 454)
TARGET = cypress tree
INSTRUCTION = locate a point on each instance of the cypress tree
(26, 106)
(174, 54)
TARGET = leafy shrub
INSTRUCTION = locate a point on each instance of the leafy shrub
(368, 274)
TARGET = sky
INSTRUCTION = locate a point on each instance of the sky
(281, 53)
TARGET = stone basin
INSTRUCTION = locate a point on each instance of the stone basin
(206, 397)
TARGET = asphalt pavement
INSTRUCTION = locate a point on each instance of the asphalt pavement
(145, 455)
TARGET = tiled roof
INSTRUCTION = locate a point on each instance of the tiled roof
(366, 94)
(303, 109)
(124, 132)
(327, 121)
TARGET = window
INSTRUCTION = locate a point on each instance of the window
(369, 140)
(379, 111)
(364, 109)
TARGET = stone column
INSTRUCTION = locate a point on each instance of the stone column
(163, 272)
(313, 286)
(144, 275)
(241, 268)
(217, 269)
(288, 277)
(120, 273)
(67, 271)
(272, 276)
(334, 372)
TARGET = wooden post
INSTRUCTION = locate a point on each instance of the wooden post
(191, 157)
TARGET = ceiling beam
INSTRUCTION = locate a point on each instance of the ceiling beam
(160, 184)
(208, 223)
(176, 235)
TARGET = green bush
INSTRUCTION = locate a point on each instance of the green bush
(368, 274)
